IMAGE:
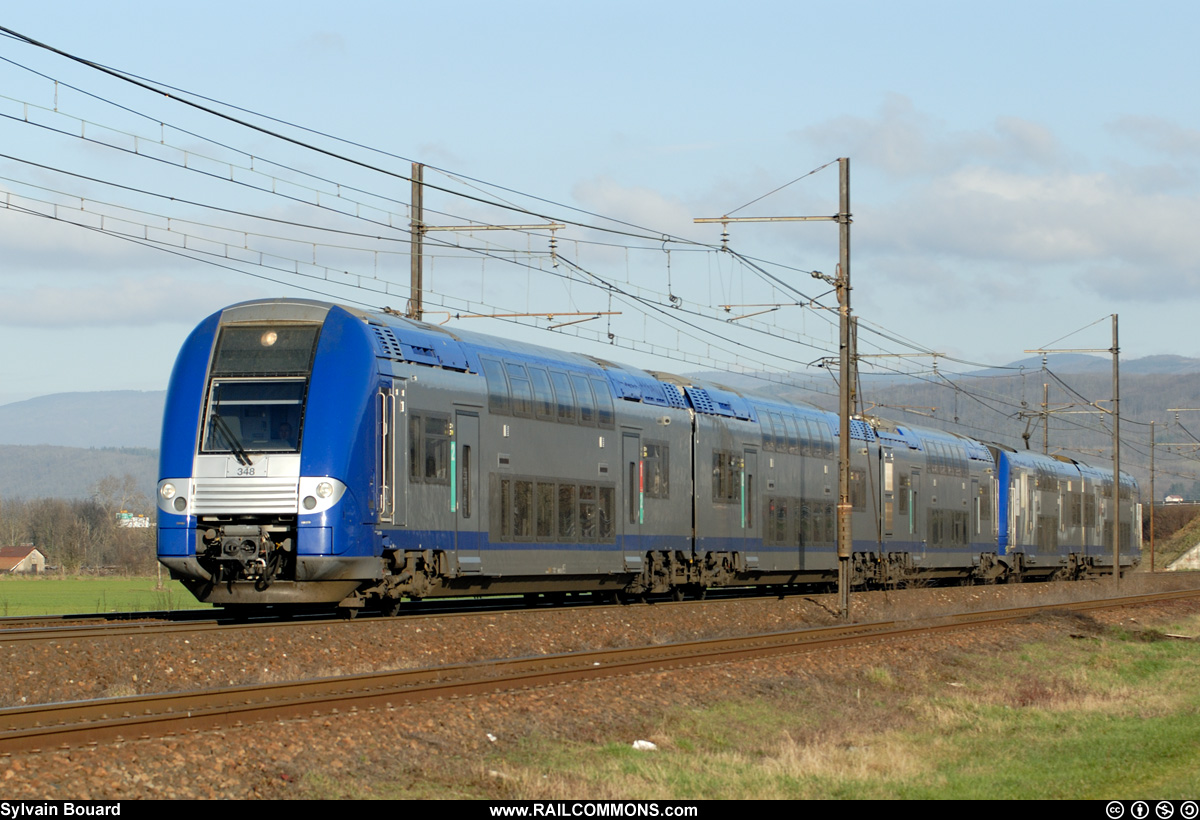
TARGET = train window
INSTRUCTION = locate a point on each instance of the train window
(657, 470)
(265, 350)
(498, 399)
(543, 394)
(726, 481)
(785, 433)
(436, 449)
(961, 523)
(935, 528)
(768, 432)
(608, 497)
(563, 397)
(522, 509)
(797, 431)
(583, 395)
(504, 528)
(414, 447)
(793, 437)
(605, 415)
(777, 510)
(821, 441)
(545, 510)
(588, 523)
(858, 490)
(429, 448)
(566, 512)
(522, 393)
(1126, 535)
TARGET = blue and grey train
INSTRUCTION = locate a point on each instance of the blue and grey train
(316, 454)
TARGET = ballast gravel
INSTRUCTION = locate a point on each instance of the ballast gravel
(268, 761)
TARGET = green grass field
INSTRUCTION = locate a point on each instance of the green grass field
(86, 595)
(1105, 714)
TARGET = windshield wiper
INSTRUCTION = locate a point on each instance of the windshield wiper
(239, 452)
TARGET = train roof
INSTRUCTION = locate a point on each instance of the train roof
(401, 339)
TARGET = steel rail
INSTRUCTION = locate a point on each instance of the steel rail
(65, 725)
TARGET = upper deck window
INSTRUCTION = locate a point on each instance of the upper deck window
(265, 350)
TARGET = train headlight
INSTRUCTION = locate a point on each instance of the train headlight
(319, 493)
(167, 491)
(180, 504)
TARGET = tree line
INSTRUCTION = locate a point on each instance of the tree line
(81, 535)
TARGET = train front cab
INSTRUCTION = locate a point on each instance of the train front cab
(264, 437)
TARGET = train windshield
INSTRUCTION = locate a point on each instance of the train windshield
(261, 416)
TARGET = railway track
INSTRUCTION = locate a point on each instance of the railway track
(64, 725)
(85, 627)
(30, 629)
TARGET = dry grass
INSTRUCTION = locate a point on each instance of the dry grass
(911, 730)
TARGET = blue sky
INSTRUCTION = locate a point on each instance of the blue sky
(1019, 171)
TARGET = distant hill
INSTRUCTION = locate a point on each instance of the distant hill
(1079, 363)
(63, 444)
(111, 418)
(41, 471)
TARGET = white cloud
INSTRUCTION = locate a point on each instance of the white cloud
(1159, 135)
(324, 43)
(1011, 196)
(105, 301)
(906, 142)
(636, 205)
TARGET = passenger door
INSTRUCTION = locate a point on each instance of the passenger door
(464, 490)
(633, 479)
(390, 436)
(751, 534)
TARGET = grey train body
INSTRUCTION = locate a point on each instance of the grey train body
(464, 464)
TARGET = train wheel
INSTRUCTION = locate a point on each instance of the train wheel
(677, 593)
